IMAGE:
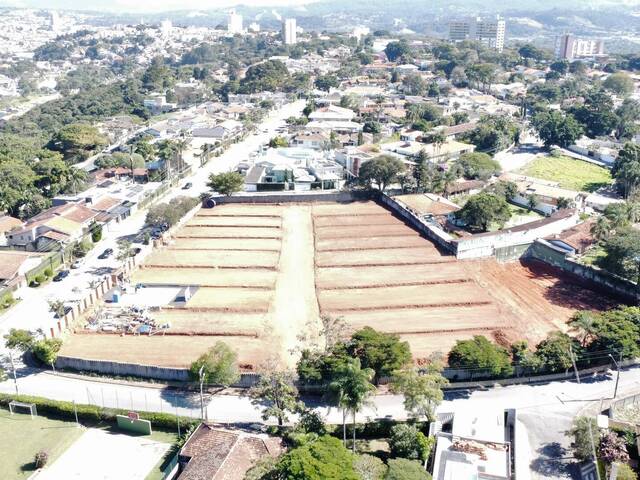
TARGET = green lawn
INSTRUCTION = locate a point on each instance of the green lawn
(158, 471)
(570, 173)
(21, 438)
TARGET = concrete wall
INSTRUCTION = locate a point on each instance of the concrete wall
(281, 197)
(485, 245)
(432, 232)
(552, 255)
(142, 371)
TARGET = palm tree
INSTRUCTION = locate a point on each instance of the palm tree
(352, 388)
(601, 228)
(181, 145)
(633, 212)
(584, 323)
(75, 179)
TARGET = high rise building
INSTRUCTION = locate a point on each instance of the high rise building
(234, 25)
(289, 31)
(54, 21)
(488, 32)
(570, 48)
(165, 28)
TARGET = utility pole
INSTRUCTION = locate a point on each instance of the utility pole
(201, 375)
(615, 391)
(573, 361)
(13, 370)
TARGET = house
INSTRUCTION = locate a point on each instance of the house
(602, 152)
(157, 103)
(14, 265)
(464, 187)
(437, 153)
(45, 234)
(216, 453)
(310, 139)
(8, 223)
(429, 205)
(351, 158)
(575, 240)
(455, 131)
(475, 444)
(345, 127)
(546, 194)
(332, 113)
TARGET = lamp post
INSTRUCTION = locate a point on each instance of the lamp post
(615, 391)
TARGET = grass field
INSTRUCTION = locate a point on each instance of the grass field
(570, 173)
(21, 437)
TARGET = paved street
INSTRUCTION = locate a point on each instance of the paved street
(545, 411)
(32, 312)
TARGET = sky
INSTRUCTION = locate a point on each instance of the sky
(145, 5)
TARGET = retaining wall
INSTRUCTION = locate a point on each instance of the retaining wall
(247, 379)
(552, 255)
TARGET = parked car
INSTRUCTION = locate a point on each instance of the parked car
(106, 254)
(76, 264)
(67, 309)
(135, 251)
(61, 275)
(187, 186)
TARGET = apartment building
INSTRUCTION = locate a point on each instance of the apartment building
(490, 32)
(234, 23)
(289, 31)
(571, 48)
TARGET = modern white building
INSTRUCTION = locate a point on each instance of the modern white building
(570, 48)
(289, 31)
(165, 28)
(490, 32)
(234, 24)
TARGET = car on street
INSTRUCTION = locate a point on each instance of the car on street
(106, 254)
(61, 275)
(76, 264)
(187, 186)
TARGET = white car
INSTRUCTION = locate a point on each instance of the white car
(76, 264)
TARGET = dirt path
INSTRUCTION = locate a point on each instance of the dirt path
(295, 302)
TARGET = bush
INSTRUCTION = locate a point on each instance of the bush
(48, 272)
(41, 459)
(408, 442)
(403, 469)
(92, 413)
(41, 279)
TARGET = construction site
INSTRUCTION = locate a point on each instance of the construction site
(258, 277)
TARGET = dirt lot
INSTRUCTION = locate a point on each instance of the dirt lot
(403, 284)
(266, 272)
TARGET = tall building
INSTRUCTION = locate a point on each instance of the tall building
(165, 27)
(54, 21)
(570, 48)
(289, 31)
(488, 32)
(234, 25)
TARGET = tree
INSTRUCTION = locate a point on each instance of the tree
(560, 66)
(403, 469)
(219, 365)
(96, 231)
(479, 165)
(278, 142)
(625, 472)
(585, 435)
(422, 391)
(553, 353)
(626, 168)
(18, 339)
(47, 350)
(596, 114)
(395, 50)
(327, 82)
(622, 251)
(483, 209)
(407, 441)
(583, 323)
(369, 467)
(57, 307)
(628, 114)
(480, 353)
(371, 126)
(554, 128)
(493, 133)
(351, 389)
(324, 459)
(270, 75)
(77, 140)
(414, 84)
(275, 392)
(616, 331)
(382, 170)
(76, 180)
(382, 352)
(619, 83)
(226, 183)
(612, 448)
(124, 251)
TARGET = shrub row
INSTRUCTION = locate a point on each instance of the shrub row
(93, 413)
